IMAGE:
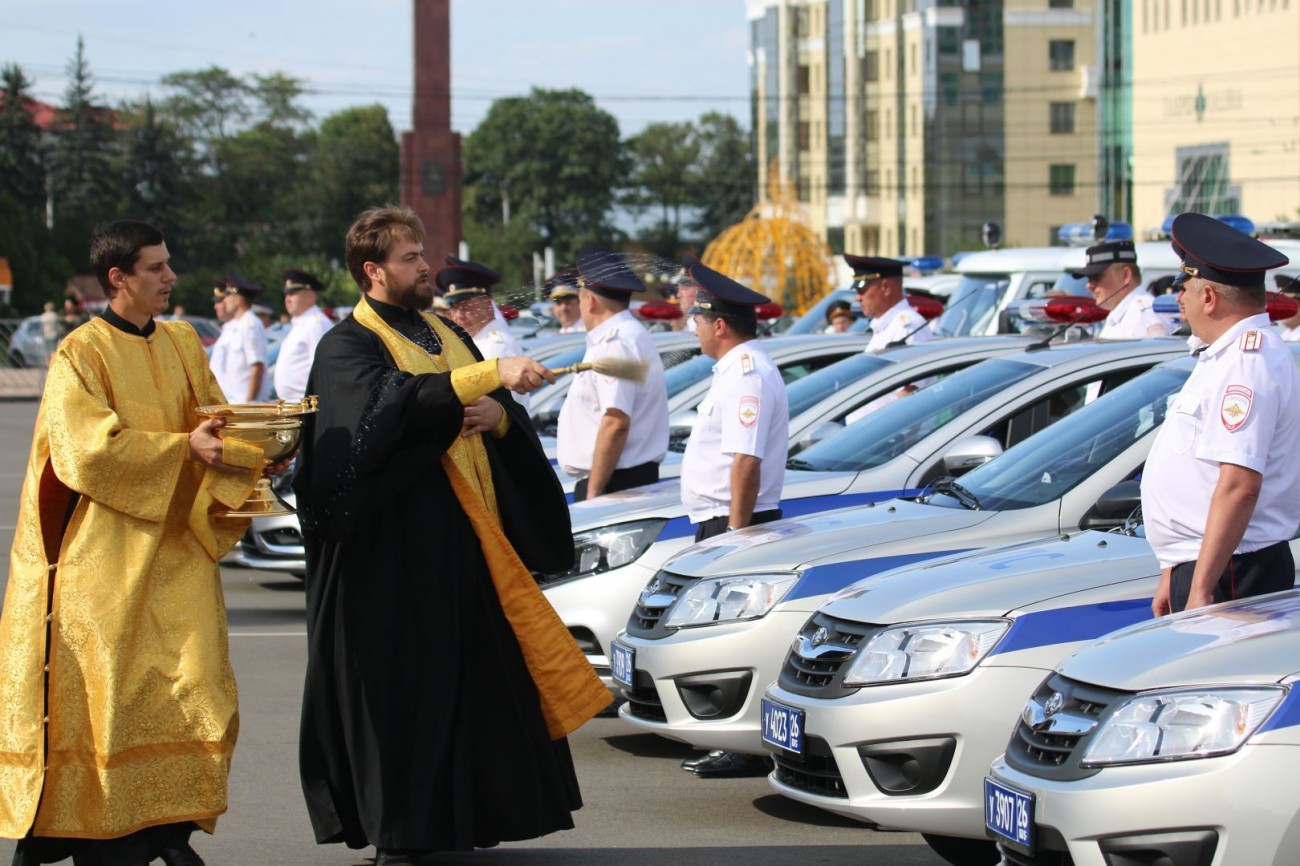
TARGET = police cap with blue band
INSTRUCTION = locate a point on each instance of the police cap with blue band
(562, 285)
(237, 285)
(1215, 251)
(1102, 256)
(868, 268)
(607, 274)
(462, 279)
(719, 294)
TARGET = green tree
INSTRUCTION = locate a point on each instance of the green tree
(208, 104)
(22, 160)
(39, 272)
(157, 169)
(551, 159)
(85, 189)
(275, 100)
(354, 166)
(724, 176)
(664, 157)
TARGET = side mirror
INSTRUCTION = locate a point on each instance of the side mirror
(1113, 507)
(965, 454)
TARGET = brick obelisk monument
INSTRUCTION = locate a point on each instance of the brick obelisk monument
(431, 179)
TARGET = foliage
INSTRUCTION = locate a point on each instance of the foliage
(725, 175)
(22, 164)
(355, 166)
(664, 158)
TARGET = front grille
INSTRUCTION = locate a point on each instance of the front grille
(815, 664)
(814, 771)
(659, 595)
(643, 698)
(1055, 728)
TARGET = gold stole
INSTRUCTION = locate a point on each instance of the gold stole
(568, 689)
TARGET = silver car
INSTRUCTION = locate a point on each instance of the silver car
(710, 630)
(1176, 741)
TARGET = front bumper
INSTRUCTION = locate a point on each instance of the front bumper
(907, 755)
(1235, 809)
(273, 544)
(703, 685)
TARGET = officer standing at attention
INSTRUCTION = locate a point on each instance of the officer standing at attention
(879, 284)
(239, 355)
(467, 290)
(734, 464)
(613, 433)
(562, 289)
(1115, 282)
(308, 325)
(1220, 490)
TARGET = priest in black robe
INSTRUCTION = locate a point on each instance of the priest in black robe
(440, 684)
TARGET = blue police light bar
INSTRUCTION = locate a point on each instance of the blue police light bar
(1080, 234)
(1242, 224)
(1168, 225)
(1119, 231)
(927, 264)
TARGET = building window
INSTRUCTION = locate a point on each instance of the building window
(1061, 179)
(873, 125)
(1053, 236)
(1060, 55)
(804, 135)
(805, 81)
(871, 66)
(872, 183)
(1060, 4)
(1062, 118)
(870, 12)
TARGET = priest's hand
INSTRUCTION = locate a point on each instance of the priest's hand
(523, 375)
(206, 446)
(481, 416)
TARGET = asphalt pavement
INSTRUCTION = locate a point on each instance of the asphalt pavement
(640, 807)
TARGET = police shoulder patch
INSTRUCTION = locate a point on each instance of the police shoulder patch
(1251, 341)
(749, 407)
(1235, 408)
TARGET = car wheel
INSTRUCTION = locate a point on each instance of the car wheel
(964, 852)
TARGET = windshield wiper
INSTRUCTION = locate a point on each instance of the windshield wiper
(956, 491)
(796, 463)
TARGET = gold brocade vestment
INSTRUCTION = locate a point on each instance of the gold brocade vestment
(141, 714)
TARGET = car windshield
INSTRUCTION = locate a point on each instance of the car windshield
(817, 386)
(814, 321)
(897, 426)
(972, 306)
(687, 373)
(1048, 465)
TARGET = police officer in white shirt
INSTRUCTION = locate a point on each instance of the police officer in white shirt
(1289, 328)
(239, 357)
(307, 325)
(613, 433)
(879, 284)
(1219, 492)
(1115, 281)
(562, 290)
(734, 464)
(684, 296)
(467, 290)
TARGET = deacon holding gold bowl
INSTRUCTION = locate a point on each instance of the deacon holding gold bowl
(120, 707)
(440, 684)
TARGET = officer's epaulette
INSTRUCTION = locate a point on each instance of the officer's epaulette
(746, 363)
(1251, 341)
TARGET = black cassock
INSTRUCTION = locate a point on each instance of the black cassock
(421, 727)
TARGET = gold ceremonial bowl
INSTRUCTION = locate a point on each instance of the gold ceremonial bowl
(276, 428)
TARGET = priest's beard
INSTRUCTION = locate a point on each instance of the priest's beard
(416, 296)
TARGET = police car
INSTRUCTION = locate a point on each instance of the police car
(960, 421)
(711, 628)
(1176, 741)
(900, 686)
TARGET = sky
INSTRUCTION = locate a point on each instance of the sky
(644, 61)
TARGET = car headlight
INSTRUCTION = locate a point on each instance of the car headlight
(1179, 725)
(611, 547)
(728, 599)
(923, 651)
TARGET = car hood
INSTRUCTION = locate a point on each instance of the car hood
(847, 534)
(1247, 641)
(997, 581)
(664, 500)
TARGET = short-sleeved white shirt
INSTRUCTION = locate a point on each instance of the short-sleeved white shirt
(1289, 335)
(297, 350)
(494, 340)
(900, 322)
(245, 345)
(746, 411)
(645, 403)
(1241, 405)
(1134, 318)
(576, 328)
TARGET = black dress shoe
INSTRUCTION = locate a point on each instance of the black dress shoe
(732, 765)
(392, 857)
(692, 763)
(180, 855)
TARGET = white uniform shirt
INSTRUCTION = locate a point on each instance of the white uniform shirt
(1134, 318)
(1241, 405)
(1290, 335)
(245, 345)
(296, 352)
(494, 340)
(646, 403)
(898, 323)
(745, 412)
(576, 328)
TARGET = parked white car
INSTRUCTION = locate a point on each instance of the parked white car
(1176, 741)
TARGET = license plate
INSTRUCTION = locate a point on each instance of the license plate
(1009, 814)
(782, 726)
(621, 664)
